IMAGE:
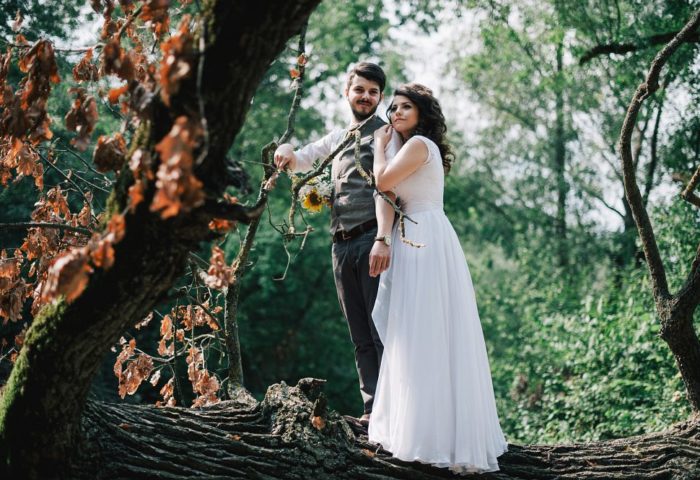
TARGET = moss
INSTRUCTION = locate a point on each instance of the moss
(209, 15)
(40, 334)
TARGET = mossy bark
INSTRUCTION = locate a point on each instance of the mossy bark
(48, 387)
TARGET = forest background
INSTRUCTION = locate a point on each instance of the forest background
(536, 198)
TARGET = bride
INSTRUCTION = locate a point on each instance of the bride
(434, 401)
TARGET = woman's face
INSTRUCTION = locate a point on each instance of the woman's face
(403, 115)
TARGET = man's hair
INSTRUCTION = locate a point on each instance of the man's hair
(370, 71)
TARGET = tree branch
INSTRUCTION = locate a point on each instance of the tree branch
(639, 213)
(59, 226)
(233, 211)
(622, 48)
(688, 194)
(651, 168)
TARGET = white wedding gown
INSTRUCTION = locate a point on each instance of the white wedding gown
(434, 401)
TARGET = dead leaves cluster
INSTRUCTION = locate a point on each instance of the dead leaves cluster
(177, 188)
(178, 60)
(132, 367)
(219, 275)
(204, 384)
(82, 118)
(14, 290)
(58, 262)
(24, 121)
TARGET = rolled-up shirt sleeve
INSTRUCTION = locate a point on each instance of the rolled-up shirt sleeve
(318, 150)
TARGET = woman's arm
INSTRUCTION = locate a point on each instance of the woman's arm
(412, 155)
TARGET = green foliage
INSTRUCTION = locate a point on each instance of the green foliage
(581, 360)
(56, 19)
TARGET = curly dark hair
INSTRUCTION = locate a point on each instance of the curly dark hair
(431, 121)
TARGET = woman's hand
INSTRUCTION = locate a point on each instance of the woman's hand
(382, 135)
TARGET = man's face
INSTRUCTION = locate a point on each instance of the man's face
(364, 97)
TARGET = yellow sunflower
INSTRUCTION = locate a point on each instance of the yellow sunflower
(313, 201)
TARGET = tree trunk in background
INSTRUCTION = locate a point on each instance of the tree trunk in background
(560, 165)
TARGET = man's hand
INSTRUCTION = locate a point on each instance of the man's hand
(284, 157)
(379, 258)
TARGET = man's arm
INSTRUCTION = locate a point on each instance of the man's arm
(380, 255)
(303, 159)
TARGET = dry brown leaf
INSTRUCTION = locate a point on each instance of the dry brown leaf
(166, 327)
(318, 422)
(85, 70)
(178, 60)
(68, 275)
(219, 274)
(109, 153)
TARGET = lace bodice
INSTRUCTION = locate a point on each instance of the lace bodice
(423, 189)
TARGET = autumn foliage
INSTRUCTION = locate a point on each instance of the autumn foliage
(65, 246)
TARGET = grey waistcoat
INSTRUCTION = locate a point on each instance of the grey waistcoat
(353, 197)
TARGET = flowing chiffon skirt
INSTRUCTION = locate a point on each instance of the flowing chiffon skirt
(434, 401)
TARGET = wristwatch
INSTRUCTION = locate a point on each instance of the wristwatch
(385, 238)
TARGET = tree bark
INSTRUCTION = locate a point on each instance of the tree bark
(275, 439)
(45, 395)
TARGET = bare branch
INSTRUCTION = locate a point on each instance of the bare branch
(58, 226)
(598, 196)
(622, 48)
(233, 211)
(688, 194)
(651, 168)
(301, 68)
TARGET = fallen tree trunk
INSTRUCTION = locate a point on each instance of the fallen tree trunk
(290, 435)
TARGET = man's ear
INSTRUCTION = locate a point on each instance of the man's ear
(346, 91)
(381, 97)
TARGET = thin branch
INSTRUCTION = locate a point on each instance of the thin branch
(59, 226)
(129, 20)
(233, 211)
(599, 197)
(68, 179)
(55, 49)
(651, 168)
(622, 48)
(200, 98)
(87, 164)
(688, 194)
(299, 90)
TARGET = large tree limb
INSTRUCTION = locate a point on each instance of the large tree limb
(622, 48)
(275, 439)
(48, 386)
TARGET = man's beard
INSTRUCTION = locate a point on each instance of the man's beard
(360, 116)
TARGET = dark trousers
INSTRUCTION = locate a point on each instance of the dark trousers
(356, 294)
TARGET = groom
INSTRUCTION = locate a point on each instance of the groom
(353, 221)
